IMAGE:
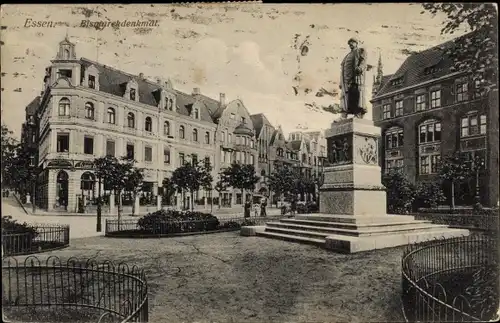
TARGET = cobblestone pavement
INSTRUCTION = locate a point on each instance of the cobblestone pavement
(224, 277)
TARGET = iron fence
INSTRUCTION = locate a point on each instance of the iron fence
(451, 280)
(35, 238)
(73, 291)
(115, 228)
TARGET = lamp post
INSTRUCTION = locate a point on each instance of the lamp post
(99, 210)
(478, 166)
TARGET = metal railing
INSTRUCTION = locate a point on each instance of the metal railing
(71, 290)
(37, 238)
(451, 280)
(171, 228)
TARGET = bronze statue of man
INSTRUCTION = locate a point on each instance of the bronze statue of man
(352, 81)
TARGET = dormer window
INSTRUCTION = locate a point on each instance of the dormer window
(65, 73)
(397, 81)
(431, 70)
(196, 113)
(92, 81)
(132, 94)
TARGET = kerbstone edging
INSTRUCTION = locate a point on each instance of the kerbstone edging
(252, 230)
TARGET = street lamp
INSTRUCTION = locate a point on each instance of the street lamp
(99, 210)
(479, 165)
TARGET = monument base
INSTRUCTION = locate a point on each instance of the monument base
(351, 234)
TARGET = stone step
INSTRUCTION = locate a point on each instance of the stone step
(297, 232)
(325, 231)
(343, 225)
(292, 238)
(354, 219)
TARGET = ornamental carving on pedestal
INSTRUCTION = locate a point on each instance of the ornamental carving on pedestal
(339, 150)
(367, 150)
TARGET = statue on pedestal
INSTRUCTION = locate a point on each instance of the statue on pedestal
(352, 81)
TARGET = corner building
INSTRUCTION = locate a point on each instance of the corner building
(427, 111)
(89, 110)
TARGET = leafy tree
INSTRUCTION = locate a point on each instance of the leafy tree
(240, 177)
(429, 194)
(400, 192)
(454, 169)
(282, 181)
(9, 148)
(303, 185)
(168, 189)
(191, 177)
(477, 52)
(220, 186)
(116, 174)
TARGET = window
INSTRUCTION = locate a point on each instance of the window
(420, 102)
(386, 111)
(435, 99)
(429, 164)
(148, 124)
(243, 120)
(110, 148)
(111, 115)
(66, 54)
(130, 120)
(252, 160)
(399, 108)
(92, 81)
(181, 132)
(166, 156)
(477, 88)
(230, 138)
(430, 131)
(393, 138)
(462, 89)
(148, 154)
(170, 104)
(63, 143)
(196, 113)
(207, 162)
(182, 160)
(166, 128)
(194, 159)
(89, 111)
(223, 137)
(207, 137)
(195, 135)
(280, 152)
(64, 107)
(32, 161)
(130, 151)
(66, 73)
(473, 124)
(252, 144)
(88, 145)
(132, 94)
(87, 181)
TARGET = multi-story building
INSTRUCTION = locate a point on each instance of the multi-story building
(427, 111)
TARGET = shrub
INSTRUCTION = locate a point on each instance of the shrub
(309, 207)
(9, 226)
(400, 192)
(230, 225)
(428, 194)
(247, 223)
(172, 221)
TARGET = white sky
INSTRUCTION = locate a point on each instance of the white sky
(243, 50)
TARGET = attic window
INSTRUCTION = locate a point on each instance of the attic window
(432, 69)
(65, 73)
(92, 81)
(397, 81)
(132, 94)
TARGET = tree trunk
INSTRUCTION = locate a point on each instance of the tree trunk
(452, 195)
(134, 195)
(119, 196)
(192, 200)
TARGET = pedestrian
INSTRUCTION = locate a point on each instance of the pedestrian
(247, 209)
(263, 205)
(294, 206)
(256, 210)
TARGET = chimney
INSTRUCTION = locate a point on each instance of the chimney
(141, 76)
(196, 90)
(222, 99)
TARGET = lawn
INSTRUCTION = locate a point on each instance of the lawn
(224, 277)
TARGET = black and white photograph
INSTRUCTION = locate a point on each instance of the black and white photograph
(250, 162)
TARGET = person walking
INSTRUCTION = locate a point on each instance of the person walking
(247, 209)
(263, 205)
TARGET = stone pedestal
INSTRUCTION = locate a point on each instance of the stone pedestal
(352, 181)
(352, 214)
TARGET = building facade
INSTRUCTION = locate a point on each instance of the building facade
(427, 112)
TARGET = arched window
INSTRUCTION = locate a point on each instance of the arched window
(280, 152)
(64, 106)
(430, 152)
(66, 54)
(207, 137)
(148, 124)
(170, 104)
(195, 135)
(131, 120)
(166, 128)
(87, 181)
(111, 115)
(62, 176)
(472, 124)
(89, 110)
(182, 134)
(196, 113)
